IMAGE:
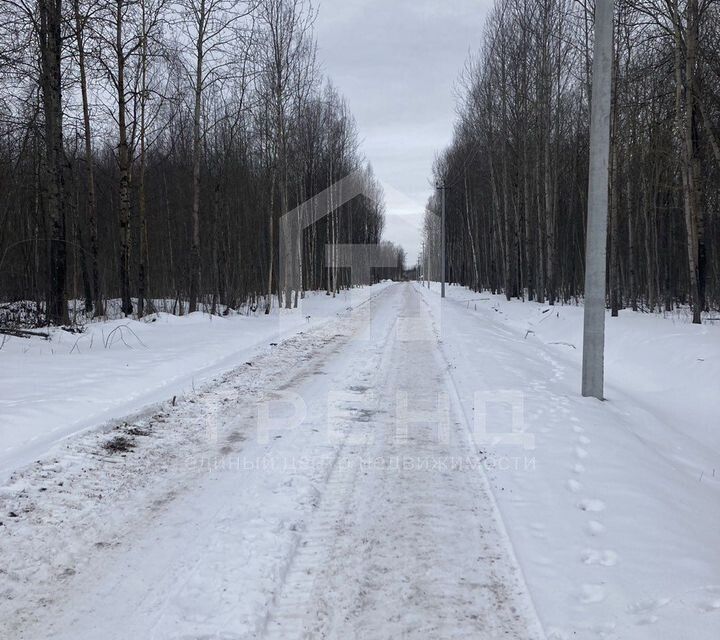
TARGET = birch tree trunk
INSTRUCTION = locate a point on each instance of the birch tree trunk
(80, 23)
(53, 184)
(197, 115)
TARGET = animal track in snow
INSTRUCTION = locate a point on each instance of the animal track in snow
(589, 504)
(584, 440)
(581, 453)
(595, 528)
(592, 593)
(604, 629)
(578, 468)
(573, 485)
(578, 428)
(555, 633)
(712, 605)
(605, 558)
(645, 609)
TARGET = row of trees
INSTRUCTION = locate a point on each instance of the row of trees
(148, 149)
(517, 167)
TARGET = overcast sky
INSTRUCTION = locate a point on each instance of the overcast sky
(397, 62)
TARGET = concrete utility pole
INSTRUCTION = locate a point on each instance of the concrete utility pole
(442, 188)
(426, 267)
(596, 242)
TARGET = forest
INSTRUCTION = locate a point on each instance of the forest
(148, 149)
(516, 172)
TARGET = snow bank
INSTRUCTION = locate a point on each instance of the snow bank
(666, 365)
(614, 511)
(50, 390)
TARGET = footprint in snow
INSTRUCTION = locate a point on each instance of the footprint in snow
(645, 606)
(578, 468)
(708, 607)
(590, 504)
(604, 629)
(645, 610)
(594, 528)
(577, 428)
(584, 440)
(712, 603)
(573, 485)
(581, 453)
(605, 558)
(592, 593)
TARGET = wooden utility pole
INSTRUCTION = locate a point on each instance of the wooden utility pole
(595, 254)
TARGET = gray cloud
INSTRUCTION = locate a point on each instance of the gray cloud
(396, 62)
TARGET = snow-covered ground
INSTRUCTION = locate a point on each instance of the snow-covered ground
(328, 518)
(363, 480)
(50, 390)
(616, 525)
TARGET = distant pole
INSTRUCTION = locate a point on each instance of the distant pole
(596, 241)
(442, 188)
(427, 270)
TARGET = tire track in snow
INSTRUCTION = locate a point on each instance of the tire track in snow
(387, 544)
(80, 508)
(466, 423)
(297, 606)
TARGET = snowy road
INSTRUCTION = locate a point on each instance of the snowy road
(328, 491)
(401, 544)
(363, 479)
